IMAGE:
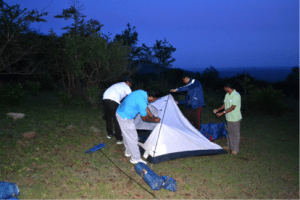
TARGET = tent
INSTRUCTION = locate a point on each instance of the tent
(174, 137)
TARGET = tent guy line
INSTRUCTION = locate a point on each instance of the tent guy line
(127, 175)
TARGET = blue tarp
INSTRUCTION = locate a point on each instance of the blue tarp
(8, 190)
(214, 131)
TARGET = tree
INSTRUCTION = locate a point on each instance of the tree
(17, 41)
(79, 26)
(210, 77)
(243, 83)
(163, 53)
(158, 57)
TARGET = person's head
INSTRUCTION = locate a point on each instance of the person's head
(128, 81)
(228, 87)
(153, 94)
(185, 78)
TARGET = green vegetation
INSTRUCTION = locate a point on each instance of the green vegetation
(54, 165)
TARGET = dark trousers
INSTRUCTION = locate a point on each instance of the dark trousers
(194, 116)
(110, 107)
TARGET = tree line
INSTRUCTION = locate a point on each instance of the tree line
(83, 58)
(83, 61)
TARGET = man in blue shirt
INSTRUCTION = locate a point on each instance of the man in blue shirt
(135, 103)
(194, 100)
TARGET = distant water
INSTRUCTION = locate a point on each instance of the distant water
(269, 74)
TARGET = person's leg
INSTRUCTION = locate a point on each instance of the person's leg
(107, 117)
(235, 141)
(230, 131)
(188, 113)
(197, 118)
(118, 135)
(130, 137)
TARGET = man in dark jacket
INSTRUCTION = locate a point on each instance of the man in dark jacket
(194, 100)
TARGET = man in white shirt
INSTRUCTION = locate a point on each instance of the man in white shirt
(111, 100)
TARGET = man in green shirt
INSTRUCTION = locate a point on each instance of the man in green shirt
(232, 111)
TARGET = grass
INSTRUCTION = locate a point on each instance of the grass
(53, 165)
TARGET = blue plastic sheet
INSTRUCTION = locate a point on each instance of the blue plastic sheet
(214, 131)
(8, 190)
(96, 148)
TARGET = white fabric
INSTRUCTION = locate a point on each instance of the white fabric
(174, 133)
(117, 92)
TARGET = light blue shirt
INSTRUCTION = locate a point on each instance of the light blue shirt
(136, 102)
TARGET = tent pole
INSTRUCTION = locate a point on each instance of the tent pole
(161, 122)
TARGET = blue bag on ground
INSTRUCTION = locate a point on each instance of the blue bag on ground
(169, 183)
(8, 190)
(150, 177)
(214, 131)
(96, 148)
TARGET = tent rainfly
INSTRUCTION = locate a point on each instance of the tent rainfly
(174, 137)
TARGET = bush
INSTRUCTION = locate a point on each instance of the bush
(12, 95)
(63, 98)
(268, 101)
(93, 94)
(33, 87)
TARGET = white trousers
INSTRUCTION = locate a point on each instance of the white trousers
(130, 137)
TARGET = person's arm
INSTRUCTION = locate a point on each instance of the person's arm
(226, 111)
(221, 108)
(150, 119)
(149, 113)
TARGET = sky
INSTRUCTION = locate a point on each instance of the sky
(223, 34)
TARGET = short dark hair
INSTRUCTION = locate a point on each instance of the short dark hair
(228, 84)
(153, 92)
(185, 75)
(128, 79)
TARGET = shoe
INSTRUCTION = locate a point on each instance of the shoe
(127, 155)
(120, 142)
(137, 161)
(234, 152)
(226, 148)
(109, 136)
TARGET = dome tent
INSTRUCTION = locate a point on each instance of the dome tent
(174, 137)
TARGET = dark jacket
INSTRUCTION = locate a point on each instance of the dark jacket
(194, 94)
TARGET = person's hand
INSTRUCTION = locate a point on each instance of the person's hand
(220, 114)
(215, 111)
(173, 90)
(157, 119)
(176, 102)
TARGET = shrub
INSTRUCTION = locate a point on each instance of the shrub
(63, 97)
(268, 101)
(12, 95)
(33, 87)
(93, 94)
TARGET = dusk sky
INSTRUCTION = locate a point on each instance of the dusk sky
(221, 33)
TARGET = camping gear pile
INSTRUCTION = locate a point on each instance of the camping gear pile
(214, 131)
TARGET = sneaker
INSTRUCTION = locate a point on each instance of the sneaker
(234, 152)
(226, 148)
(109, 136)
(127, 155)
(137, 161)
(120, 142)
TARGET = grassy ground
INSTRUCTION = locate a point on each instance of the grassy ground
(54, 165)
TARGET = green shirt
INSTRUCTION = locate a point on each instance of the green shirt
(233, 99)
